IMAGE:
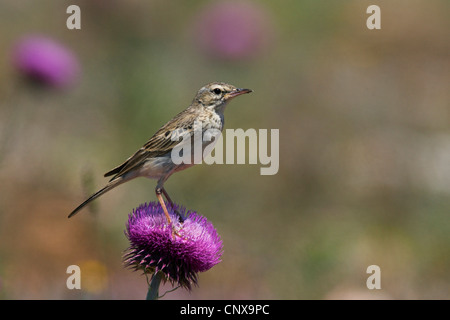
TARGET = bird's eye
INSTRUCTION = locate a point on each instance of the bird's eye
(217, 91)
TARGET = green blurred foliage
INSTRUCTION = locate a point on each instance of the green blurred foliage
(364, 173)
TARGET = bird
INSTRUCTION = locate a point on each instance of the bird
(154, 159)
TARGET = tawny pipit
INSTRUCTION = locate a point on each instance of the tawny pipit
(154, 159)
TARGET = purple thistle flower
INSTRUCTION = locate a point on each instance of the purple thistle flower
(45, 60)
(153, 249)
(233, 30)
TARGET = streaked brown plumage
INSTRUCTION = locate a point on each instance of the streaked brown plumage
(154, 160)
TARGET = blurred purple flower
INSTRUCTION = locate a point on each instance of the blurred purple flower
(152, 248)
(45, 60)
(233, 30)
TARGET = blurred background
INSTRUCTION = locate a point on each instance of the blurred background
(364, 120)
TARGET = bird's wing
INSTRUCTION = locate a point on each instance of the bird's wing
(162, 142)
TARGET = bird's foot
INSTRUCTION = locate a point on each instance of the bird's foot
(175, 232)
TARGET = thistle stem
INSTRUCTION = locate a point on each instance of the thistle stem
(153, 288)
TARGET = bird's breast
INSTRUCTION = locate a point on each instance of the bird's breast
(212, 120)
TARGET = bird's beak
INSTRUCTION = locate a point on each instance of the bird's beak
(236, 92)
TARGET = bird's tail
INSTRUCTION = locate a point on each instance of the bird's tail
(112, 184)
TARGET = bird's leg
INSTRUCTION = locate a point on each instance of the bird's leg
(171, 203)
(167, 196)
(166, 213)
(163, 205)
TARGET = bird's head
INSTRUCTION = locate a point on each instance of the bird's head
(215, 95)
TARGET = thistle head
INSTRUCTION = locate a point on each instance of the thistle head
(153, 249)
